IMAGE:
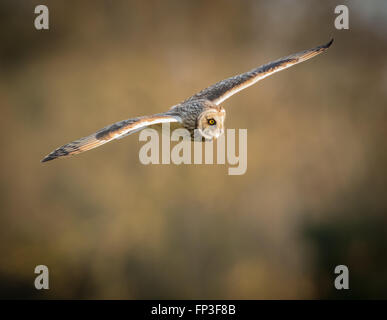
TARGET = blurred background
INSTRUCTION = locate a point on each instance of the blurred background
(314, 194)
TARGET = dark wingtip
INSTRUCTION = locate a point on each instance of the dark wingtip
(48, 158)
(328, 44)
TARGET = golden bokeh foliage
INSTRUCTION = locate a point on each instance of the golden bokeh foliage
(313, 196)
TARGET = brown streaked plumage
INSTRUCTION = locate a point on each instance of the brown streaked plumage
(107, 134)
(194, 113)
(224, 89)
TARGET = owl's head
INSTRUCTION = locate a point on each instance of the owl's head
(211, 122)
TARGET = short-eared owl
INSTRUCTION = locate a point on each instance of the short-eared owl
(201, 111)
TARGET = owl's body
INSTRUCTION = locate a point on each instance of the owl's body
(200, 114)
(196, 114)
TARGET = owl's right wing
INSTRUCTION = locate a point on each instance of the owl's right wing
(224, 89)
(109, 133)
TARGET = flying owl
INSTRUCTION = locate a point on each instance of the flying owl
(202, 111)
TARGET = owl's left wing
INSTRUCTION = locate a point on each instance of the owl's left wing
(224, 89)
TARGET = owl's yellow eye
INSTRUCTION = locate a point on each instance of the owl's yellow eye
(211, 122)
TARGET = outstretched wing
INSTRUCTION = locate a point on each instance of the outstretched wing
(224, 89)
(109, 133)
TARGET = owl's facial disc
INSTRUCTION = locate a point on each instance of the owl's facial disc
(211, 123)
